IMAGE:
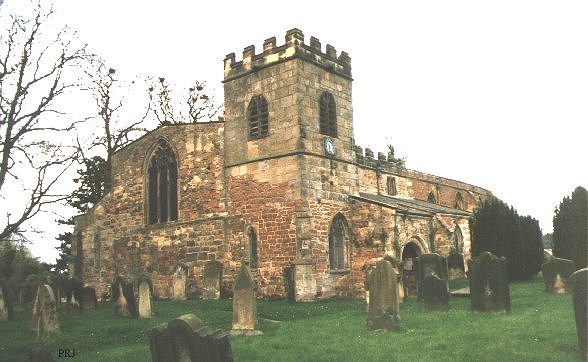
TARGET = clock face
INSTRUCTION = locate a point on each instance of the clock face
(329, 146)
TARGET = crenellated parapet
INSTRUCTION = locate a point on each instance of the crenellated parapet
(294, 47)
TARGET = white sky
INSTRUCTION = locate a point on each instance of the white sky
(493, 93)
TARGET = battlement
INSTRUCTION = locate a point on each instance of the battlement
(294, 47)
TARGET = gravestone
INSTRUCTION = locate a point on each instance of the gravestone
(187, 339)
(89, 300)
(430, 264)
(434, 294)
(44, 318)
(489, 290)
(383, 308)
(244, 307)
(73, 293)
(123, 298)
(5, 303)
(179, 280)
(556, 272)
(579, 285)
(304, 281)
(212, 278)
(397, 264)
(144, 297)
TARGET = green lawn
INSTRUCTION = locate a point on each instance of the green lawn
(540, 328)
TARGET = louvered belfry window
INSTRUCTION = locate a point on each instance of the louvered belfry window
(328, 115)
(163, 184)
(258, 118)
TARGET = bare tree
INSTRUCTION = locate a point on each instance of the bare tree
(34, 75)
(200, 106)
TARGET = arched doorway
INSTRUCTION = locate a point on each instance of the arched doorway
(409, 254)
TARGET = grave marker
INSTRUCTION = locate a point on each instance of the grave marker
(244, 307)
(383, 309)
(212, 278)
(144, 297)
(44, 318)
(489, 284)
(89, 300)
(179, 280)
(123, 298)
(430, 264)
(556, 272)
(434, 295)
(579, 283)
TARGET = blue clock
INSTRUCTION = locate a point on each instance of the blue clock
(329, 147)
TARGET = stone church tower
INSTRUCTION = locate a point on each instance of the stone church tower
(289, 137)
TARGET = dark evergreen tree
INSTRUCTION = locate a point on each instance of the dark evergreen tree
(570, 228)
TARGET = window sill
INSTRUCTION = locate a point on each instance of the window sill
(340, 271)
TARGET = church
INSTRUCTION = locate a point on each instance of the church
(278, 184)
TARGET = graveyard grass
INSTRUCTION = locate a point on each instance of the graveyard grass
(541, 327)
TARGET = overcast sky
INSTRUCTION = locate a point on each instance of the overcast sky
(493, 93)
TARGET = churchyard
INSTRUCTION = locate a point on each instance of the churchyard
(540, 327)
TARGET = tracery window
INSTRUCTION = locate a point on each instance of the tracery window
(338, 243)
(253, 256)
(328, 115)
(257, 113)
(391, 186)
(431, 198)
(162, 198)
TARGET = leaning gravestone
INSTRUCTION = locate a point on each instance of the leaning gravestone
(144, 298)
(579, 283)
(434, 294)
(556, 272)
(213, 274)
(44, 318)
(89, 300)
(489, 284)
(123, 298)
(187, 339)
(383, 309)
(430, 264)
(179, 281)
(244, 307)
(5, 304)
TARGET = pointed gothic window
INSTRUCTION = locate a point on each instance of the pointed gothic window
(253, 257)
(328, 115)
(431, 198)
(391, 186)
(257, 113)
(458, 202)
(338, 243)
(162, 182)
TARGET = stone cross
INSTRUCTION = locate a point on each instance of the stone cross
(579, 283)
(123, 298)
(180, 278)
(144, 298)
(44, 318)
(383, 308)
(489, 284)
(187, 339)
(212, 277)
(556, 272)
(89, 298)
(244, 307)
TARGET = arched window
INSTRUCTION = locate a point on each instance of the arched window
(257, 114)
(162, 198)
(328, 115)
(431, 198)
(458, 202)
(253, 257)
(338, 243)
(391, 186)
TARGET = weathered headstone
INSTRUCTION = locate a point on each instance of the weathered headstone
(123, 298)
(556, 272)
(179, 281)
(212, 277)
(89, 300)
(73, 292)
(430, 264)
(304, 281)
(144, 296)
(5, 304)
(489, 290)
(383, 308)
(187, 339)
(44, 318)
(434, 294)
(579, 285)
(244, 307)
